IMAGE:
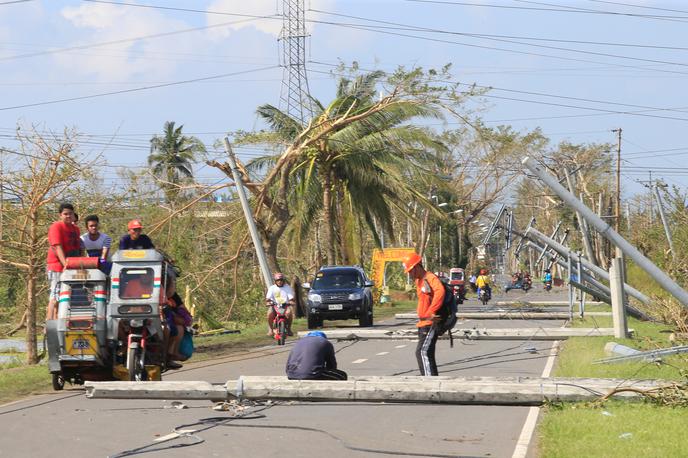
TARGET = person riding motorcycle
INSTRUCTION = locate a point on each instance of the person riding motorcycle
(527, 281)
(483, 282)
(280, 293)
(548, 277)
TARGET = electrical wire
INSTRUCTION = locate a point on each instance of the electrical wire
(556, 8)
(138, 89)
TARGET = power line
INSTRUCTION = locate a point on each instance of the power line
(127, 40)
(400, 26)
(377, 29)
(556, 8)
(138, 89)
(635, 113)
(11, 2)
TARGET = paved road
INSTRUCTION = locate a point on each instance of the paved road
(56, 424)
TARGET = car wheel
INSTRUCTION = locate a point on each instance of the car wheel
(365, 320)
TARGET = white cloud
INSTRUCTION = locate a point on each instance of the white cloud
(107, 23)
(272, 26)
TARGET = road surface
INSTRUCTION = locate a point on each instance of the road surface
(63, 423)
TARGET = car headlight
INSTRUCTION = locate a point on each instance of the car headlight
(355, 296)
(314, 297)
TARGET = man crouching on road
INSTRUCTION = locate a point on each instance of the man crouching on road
(430, 292)
(312, 358)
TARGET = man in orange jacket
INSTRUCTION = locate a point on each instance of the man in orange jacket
(430, 292)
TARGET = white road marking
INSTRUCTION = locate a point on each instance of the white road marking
(359, 361)
(382, 353)
(400, 346)
(524, 439)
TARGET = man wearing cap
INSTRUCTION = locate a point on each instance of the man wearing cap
(134, 239)
(312, 358)
(430, 291)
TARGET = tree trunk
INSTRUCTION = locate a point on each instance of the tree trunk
(327, 218)
(31, 350)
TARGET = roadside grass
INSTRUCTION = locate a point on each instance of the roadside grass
(616, 430)
(583, 429)
(18, 382)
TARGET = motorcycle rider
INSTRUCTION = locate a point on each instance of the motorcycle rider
(280, 293)
(483, 282)
(527, 281)
(547, 279)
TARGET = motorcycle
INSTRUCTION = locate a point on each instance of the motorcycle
(527, 284)
(460, 293)
(483, 296)
(136, 329)
(279, 323)
(548, 285)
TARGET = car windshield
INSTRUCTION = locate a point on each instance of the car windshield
(325, 280)
(136, 283)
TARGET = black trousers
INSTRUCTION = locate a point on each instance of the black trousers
(425, 351)
(332, 374)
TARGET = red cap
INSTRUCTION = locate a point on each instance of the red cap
(135, 224)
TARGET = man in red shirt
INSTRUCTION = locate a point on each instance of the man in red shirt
(64, 239)
(430, 292)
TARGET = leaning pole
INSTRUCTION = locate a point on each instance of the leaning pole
(610, 234)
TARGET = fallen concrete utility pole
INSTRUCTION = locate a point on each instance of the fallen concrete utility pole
(595, 288)
(515, 391)
(650, 355)
(543, 303)
(469, 333)
(563, 251)
(606, 230)
(506, 314)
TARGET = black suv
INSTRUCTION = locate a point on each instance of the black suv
(340, 293)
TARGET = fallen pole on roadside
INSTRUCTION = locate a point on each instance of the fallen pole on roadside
(507, 314)
(515, 391)
(650, 355)
(544, 303)
(469, 333)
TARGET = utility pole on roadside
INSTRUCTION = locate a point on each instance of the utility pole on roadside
(618, 181)
(248, 214)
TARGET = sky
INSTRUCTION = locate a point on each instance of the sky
(116, 71)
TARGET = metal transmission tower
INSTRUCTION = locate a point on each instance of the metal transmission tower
(294, 96)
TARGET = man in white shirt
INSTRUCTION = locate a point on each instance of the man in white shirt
(280, 293)
(96, 244)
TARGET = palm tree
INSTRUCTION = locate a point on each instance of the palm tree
(358, 158)
(171, 157)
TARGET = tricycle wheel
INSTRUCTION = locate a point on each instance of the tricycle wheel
(58, 381)
(135, 367)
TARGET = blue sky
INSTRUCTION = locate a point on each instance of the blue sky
(576, 69)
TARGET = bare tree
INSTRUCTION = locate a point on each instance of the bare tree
(43, 172)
